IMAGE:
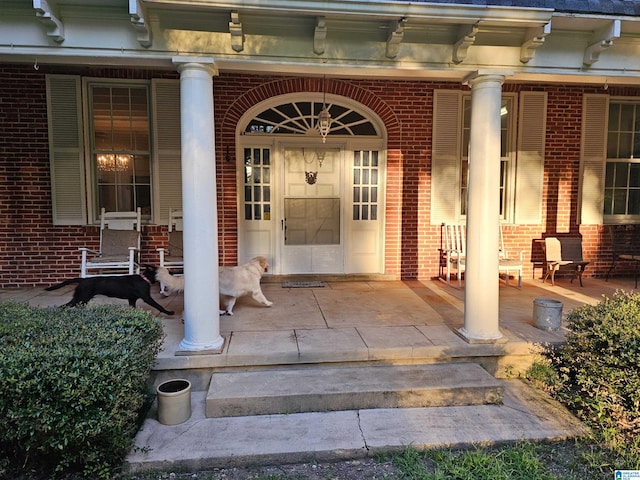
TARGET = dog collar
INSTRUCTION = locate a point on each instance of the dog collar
(145, 278)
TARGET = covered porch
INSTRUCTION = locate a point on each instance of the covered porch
(357, 320)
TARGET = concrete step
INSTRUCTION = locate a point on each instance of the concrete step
(324, 389)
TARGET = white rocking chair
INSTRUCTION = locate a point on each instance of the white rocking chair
(119, 246)
(171, 258)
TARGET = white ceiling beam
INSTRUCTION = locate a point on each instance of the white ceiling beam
(320, 36)
(137, 17)
(534, 39)
(396, 34)
(235, 30)
(601, 40)
(466, 38)
(46, 14)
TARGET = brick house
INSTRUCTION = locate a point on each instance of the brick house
(214, 110)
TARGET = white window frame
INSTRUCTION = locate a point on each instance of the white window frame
(509, 159)
(93, 208)
(620, 218)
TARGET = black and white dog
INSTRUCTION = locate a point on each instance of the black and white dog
(128, 287)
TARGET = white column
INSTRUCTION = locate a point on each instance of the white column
(481, 287)
(199, 207)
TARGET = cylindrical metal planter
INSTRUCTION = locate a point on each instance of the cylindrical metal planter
(174, 401)
(547, 313)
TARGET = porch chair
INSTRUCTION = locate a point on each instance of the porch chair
(454, 251)
(119, 246)
(171, 258)
(563, 253)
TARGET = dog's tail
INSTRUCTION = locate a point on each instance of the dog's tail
(171, 282)
(63, 284)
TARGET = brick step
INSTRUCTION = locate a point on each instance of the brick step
(325, 388)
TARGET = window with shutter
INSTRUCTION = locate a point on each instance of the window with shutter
(66, 150)
(129, 149)
(450, 165)
(529, 178)
(592, 162)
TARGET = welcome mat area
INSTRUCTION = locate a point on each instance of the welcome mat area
(302, 284)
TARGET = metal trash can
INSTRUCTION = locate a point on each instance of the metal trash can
(174, 401)
(547, 313)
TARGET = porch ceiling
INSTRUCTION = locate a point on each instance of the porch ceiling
(311, 37)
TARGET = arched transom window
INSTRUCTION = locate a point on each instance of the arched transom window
(301, 118)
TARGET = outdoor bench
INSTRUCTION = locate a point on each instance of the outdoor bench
(625, 246)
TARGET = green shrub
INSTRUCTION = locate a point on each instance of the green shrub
(599, 372)
(73, 382)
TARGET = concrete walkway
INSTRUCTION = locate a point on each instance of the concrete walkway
(204, 443)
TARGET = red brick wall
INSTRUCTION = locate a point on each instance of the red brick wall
(34, 253)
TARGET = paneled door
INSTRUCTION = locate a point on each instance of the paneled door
(312, 239)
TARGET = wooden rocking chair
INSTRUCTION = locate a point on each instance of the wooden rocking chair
(171, 258)
(119, 246)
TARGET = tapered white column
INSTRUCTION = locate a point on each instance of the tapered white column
(199, 207)
(481, 287)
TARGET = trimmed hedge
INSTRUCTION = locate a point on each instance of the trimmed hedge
(74, 382)
(596, 373)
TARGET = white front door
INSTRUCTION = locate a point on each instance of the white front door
(312, 239)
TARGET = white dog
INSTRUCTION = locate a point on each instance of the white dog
(235, 282)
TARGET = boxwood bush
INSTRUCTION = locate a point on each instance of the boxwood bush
(596, 373)
(74, 382)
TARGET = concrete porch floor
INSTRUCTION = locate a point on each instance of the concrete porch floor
(356, 321)
(364, 321)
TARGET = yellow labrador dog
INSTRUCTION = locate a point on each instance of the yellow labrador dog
(235, 282)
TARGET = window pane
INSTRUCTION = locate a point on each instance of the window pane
(612, 145)
(608, 201)
(634, 175)
(143, 198)
(610, 173)
(257, 189)
(619, 202)
(627, 117)
(125, 198)
(634, 202)
(119, 124)
(614, 116)
(624, 149)
(621, 175)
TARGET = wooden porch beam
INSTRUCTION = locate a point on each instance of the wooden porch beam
(136, 15)
(235, 30)
(396, 35)
(601, 40)
(45, 12)
(534, 39)
(466, 38)
(320, 36)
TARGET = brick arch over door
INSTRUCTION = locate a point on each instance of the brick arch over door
(272, 88)
(296, 85)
